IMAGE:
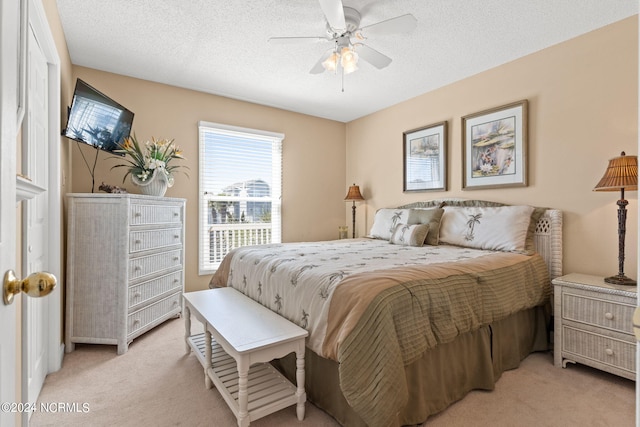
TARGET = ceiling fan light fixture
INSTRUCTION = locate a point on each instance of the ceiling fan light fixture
(331, 63)
(349, 60)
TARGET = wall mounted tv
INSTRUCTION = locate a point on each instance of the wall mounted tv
(96, 119)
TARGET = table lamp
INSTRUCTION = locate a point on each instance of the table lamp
(621, 174)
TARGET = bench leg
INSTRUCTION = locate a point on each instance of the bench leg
(300, 393)
(243, 396)
(187, 328)
(207, 359)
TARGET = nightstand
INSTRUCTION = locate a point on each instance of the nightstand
(593, 324)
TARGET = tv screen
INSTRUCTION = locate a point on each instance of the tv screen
(96, 119)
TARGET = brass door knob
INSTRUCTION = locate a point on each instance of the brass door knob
(35, 285)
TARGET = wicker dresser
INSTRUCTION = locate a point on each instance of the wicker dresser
(125, 271)
(593, 324)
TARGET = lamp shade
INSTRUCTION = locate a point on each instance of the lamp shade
(354, 193)
(621, 173)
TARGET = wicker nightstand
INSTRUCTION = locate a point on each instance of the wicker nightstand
(593, 324)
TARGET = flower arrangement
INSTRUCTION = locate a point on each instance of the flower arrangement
(143, 160)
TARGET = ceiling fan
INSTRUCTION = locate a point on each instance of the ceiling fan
(346, 35)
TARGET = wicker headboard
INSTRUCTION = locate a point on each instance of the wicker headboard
(547, 237)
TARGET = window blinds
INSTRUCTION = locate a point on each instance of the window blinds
(240, 183)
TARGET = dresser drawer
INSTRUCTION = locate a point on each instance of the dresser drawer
(143, 240)
(145, 265)
(146, 291)
(158, 310)
(610, 351)
(142, 214)
(590, 310)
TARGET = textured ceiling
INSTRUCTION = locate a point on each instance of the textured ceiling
(220, 46)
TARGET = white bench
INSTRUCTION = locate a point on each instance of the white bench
(241, 337)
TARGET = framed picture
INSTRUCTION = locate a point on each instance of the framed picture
(425, 158)
(494, 147)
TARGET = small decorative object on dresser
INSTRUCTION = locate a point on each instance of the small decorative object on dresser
(593, 324)
(125, 275)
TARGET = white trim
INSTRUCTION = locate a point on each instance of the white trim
(235, 130)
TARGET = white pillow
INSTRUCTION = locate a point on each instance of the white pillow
(409, 234)
(385, 222)
(501, 228)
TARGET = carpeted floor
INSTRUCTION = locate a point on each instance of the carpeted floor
(157, 383)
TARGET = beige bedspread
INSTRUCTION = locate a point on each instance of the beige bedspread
(379, 321)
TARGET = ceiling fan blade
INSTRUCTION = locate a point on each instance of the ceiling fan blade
(334, 12)
(295, 40)
(399, 24)
(372, 56)
(319, 68)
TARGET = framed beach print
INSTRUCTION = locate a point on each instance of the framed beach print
(425, 158)
(494, 147)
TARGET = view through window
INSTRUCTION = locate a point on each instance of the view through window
(240, 190)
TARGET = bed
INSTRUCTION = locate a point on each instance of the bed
(440, 299)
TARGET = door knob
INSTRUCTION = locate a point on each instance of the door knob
(35, 285)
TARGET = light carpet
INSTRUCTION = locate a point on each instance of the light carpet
(157, 383)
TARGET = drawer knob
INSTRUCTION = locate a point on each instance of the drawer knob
(137, 241)
(609, 352)
(136, 321)
(176, 214)
(176, 236)
(176, 258)
(137, 295)
(608, 316)
(137, 214)
(137, 268)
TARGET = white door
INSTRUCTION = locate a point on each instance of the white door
(35, 325)
(9, 42)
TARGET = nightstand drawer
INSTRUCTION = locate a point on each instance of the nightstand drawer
(590, 310)
(143, 240)
(142, 214)
(599, 348)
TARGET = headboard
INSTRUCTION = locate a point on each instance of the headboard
(547, 236)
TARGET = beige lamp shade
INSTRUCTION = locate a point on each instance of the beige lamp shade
(621, 173)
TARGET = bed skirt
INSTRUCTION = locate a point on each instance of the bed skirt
(444, 374)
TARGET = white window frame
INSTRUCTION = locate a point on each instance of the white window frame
(204, 267)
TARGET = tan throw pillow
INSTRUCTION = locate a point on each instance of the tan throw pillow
(432, 217)
(409, 235)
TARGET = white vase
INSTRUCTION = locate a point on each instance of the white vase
(155, 185)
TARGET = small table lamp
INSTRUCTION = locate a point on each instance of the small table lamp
(353, 195)
(621, 174)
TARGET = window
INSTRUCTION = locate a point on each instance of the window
(240, 190)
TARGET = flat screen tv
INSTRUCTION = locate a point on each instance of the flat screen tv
(96, 119)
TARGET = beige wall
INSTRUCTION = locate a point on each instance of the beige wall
(313, 155)
(583, 110)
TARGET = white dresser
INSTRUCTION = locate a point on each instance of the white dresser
(593, 324)
(125, 274)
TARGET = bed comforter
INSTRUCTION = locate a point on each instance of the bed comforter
(375, 307)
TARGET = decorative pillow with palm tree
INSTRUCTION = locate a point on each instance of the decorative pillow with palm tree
(385, 222)
(501, 228)
(409, 234)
